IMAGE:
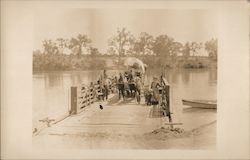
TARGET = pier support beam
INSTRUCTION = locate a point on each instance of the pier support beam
(73, 100)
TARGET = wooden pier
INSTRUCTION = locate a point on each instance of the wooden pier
(118, 124)
(121, 125)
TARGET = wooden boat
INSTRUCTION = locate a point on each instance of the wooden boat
(207, 104)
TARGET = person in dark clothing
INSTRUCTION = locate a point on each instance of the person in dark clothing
(105, 82)
(130, 76)
(120, 86)
(105, 74)
(154, 86)
(106, 87)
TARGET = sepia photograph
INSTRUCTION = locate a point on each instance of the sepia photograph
(125, 79)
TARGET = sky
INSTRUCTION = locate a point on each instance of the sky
(101, 24)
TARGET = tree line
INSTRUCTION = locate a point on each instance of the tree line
(163, 50)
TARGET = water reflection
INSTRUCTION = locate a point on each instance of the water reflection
(174, 76)
(180, 77)
(53, 80)
(185, 78)
(212, 76)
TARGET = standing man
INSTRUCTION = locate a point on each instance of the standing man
(106, 84)
(154, 86)
(130, 76)
(105, 74)
(120, 86)
(138, 85)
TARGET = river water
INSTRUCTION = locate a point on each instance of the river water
(51, 89)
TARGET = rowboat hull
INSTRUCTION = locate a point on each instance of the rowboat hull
(200, 104)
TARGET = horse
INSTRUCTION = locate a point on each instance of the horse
(120, 87)
(129, 86)
(126, 89)
(132, 89)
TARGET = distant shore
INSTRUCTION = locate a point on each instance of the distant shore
(75, 63)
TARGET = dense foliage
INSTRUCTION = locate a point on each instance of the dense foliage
(78, 53)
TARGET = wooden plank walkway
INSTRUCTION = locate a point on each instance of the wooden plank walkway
(122, 125)
(117, 117)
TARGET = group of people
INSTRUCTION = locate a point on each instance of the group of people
(104, 82)
(129, 83)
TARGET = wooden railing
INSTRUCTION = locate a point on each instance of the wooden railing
(83, 96)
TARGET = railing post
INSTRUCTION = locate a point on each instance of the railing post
(168, 98)
(73, 100)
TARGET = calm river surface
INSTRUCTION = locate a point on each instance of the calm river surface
(51, 89)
